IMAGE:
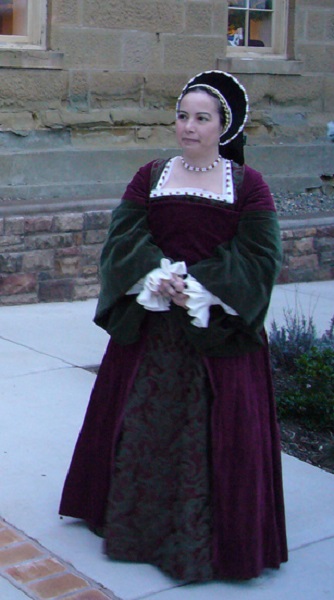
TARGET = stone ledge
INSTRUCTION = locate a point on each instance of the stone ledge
(55, 206)
(306, 221)
(260, 65)
(30, 58)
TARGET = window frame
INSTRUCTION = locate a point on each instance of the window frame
(278, 49)
(36, 29)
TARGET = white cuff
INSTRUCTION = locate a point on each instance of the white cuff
(199, 302)
(148, 297)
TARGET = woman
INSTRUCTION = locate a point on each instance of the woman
(178, 461)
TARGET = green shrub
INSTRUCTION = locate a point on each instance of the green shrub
(310, 398)
(303, 368)
(294, 338)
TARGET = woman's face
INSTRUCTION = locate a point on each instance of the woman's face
(198, 124)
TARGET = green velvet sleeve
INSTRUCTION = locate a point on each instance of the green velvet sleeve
(242, 274)
(129, 253)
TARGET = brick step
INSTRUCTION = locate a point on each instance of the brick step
(40, 574)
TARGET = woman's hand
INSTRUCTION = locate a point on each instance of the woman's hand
(174, 289)
(180, 299)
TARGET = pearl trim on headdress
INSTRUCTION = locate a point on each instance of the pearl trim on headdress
(222, 100)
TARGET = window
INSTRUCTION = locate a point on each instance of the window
(257, 26)
(22, 23)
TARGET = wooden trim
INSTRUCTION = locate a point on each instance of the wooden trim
(279, 46)
(36, 28)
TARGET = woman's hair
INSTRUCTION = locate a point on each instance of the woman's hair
(200, 88)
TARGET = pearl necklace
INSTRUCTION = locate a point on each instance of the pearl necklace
(201, 169)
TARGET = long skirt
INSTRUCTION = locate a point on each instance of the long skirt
(190, 476)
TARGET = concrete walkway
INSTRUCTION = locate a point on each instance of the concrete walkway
(45, 386)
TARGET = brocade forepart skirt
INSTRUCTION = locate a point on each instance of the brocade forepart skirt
(159, 509)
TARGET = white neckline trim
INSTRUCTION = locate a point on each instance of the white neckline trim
(227, 194)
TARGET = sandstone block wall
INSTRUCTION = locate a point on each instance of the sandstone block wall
(55, 257)
(121, 54)
(109, 78)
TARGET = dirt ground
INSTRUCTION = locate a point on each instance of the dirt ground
(314, 447)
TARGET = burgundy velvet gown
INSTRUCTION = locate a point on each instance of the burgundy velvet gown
(178, 461)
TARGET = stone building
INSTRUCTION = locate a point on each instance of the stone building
(87, 94)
